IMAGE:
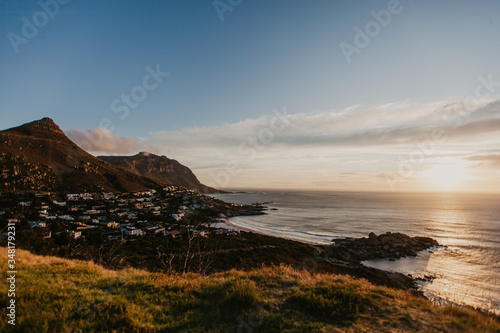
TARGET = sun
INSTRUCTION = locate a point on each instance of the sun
(445, 176)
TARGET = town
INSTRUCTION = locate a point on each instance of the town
(119, 216)
(82, 224)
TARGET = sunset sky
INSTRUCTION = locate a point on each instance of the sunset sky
(328, 95)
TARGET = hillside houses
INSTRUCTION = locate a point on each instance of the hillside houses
(118, 217)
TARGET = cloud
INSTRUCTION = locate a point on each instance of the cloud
(308, 147)
(391, 124)
(489, 161)
(104, 141)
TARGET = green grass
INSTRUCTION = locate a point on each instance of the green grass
(62, 295)
(330, 302)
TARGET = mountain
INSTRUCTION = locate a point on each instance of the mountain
(38, 156)
(160, 168)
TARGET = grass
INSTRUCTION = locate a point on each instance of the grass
(62, 295)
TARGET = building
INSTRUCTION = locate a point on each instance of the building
(132, 231)
(75, 234)
(39, 224)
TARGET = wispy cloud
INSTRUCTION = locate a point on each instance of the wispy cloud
(486, 161)
(391, 124)
(321, 147)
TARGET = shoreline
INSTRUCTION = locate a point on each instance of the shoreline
(360, 267)
(233, 226)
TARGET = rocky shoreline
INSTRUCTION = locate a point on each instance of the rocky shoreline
(388, 245)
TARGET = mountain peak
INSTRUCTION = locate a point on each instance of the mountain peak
(160, 168)
(44, 124)
(39, 156)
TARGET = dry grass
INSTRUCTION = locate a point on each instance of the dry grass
(61, 295)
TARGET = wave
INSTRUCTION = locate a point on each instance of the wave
(315, 237)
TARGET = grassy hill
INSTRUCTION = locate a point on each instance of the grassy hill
(62, 295)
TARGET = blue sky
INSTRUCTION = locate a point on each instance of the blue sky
(226, 77)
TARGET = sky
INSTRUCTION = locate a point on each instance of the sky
(328, 95)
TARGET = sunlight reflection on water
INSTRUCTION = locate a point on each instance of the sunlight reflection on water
(466, 270)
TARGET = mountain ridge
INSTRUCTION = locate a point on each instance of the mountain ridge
(161, 168)
(38, 156)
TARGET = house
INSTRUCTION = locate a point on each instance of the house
(154, 229)
(86, 196)
(160, 230)
(110, 224)
(75, 234)
(132, 231)
(39, 224)
(108, 196)
(178, 216)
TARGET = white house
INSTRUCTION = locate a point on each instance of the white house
(75, 234)
(132, 231)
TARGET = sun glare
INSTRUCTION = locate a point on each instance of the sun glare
(445, 176)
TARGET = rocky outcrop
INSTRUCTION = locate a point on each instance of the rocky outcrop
(388, 245)
(160, 168)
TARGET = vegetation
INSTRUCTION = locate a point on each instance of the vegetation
(62, 295)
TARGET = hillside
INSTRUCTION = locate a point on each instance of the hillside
(160, 168)
(38, 156)
(57, 295)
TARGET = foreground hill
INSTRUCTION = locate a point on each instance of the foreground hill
(61, 295)
(38, 156)
(160, 168)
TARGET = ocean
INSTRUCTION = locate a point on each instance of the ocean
(466, 269)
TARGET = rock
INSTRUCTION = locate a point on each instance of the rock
(388, 245)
